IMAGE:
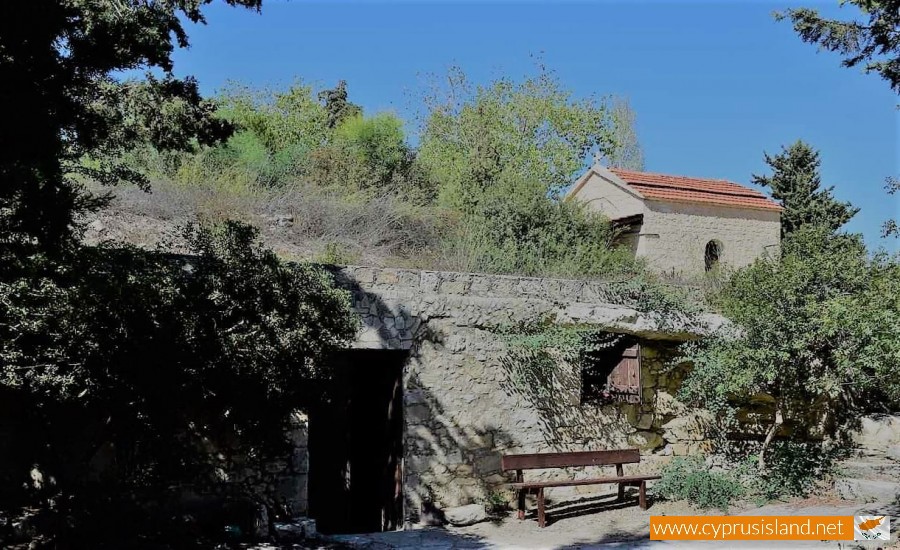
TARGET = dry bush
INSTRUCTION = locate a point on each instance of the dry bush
(299, 221)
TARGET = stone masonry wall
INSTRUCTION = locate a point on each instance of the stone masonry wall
(462, 407)
(674, 235)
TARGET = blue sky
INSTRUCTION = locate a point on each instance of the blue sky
(713, 84)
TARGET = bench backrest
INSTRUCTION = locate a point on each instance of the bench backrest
(563, 460)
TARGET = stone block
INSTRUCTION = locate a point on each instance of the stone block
(482, 284)
(487, 464)
(454, 287)
(692, 427)
(645, 422)
(680, 449)
(667, 405)
(530, 286)
(363, 275)
(387, 277)
(645, 440)
(465, 515)
(429, 281)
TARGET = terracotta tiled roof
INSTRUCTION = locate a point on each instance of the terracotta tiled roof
(683, 189)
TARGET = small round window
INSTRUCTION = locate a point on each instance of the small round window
(712, 254)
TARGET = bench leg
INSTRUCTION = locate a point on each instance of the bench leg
(642, 498)
(521, 503)
(620, 473)
(542, 519)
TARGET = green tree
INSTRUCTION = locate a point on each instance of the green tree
(815, 330)
(337, 106)
(873, 43)
(530, 135)
(278, 119)
(378, 142)
(176, 367)
(796, 183)
(57, 60)
(891, 227)
(626, 150)
(501, 155)
(170, 366)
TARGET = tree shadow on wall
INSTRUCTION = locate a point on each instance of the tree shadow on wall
(449, 460)
(446, 462)
(553, 389)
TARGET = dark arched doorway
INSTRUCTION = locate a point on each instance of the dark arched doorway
(712, 254)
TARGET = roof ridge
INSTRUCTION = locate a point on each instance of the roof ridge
(744, 192)
(614, 170)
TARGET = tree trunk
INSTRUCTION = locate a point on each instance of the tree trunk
(779, 420)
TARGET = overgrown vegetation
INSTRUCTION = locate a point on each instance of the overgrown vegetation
(126, 378)
(794, 469)
(813, 329)
(489, 168)
(194, 367)
(691, 479)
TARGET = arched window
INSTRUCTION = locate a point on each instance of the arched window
(712, 254)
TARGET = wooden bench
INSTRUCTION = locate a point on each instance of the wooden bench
(566, 460)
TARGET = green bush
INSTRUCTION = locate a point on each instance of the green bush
(174, 370)
(793, 469)
(537, 237)
(689, 478)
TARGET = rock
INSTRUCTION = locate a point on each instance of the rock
(867, 490)
(686, 428)
(465, 515)
(487, 464)
(893, 452)
(301, 528)
(667, 405)
(645, 422)
(645, 441)
(97, 226)
(878, 431)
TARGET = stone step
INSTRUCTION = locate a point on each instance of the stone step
(867, 489)
(870, 465)
(866, 452)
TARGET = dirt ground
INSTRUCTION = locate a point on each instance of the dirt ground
(599, 522)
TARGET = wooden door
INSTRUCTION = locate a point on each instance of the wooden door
(356, 445)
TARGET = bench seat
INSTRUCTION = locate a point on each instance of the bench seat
(575, 482)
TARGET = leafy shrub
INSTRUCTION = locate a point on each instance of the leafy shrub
(377, 141)
(336, 253)
(543, 238)
(689, 478)
(173, 370)
(793, 469)
(496, 503)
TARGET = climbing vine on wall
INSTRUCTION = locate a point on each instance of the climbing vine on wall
(537, 349)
